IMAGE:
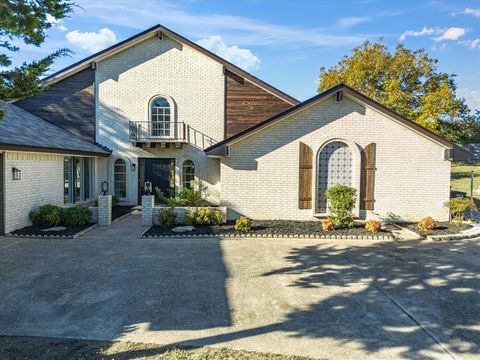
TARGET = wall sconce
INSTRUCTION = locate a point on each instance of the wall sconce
(16, 174)
(148, 187)
(104, 187)
(134, 166)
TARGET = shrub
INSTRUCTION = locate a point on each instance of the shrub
(243, 224)
(458, 207)
(76, 216)
(46, 215)
(373, 226)
(341, 200)
(186, 197)
(204, 217)
(328, 224)
(427, 223)
(167, 217)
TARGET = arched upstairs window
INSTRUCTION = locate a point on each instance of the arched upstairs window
(120, 178)
(188, 173)
(160, 117)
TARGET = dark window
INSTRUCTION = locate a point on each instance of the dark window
(188, 173)
(120, 177)
(78, 179)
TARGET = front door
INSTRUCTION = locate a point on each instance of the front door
(160, 172)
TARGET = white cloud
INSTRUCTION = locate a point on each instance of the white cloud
(424, 32)
(92, 41)
(352, 21)
(471, 96)
(472, 44)
(58, 23)
(243, 58)
(468, 11)
(453, 33)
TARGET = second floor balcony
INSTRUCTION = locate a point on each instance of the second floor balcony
(151, 132)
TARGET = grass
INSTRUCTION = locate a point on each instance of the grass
(26, 348)
(460, 179)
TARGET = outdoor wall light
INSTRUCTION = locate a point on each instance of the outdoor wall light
(134, 166)
(104, 187)
(148, 187)
(16, 174)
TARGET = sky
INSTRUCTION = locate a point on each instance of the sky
(282, 42)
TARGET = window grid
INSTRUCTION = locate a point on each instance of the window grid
(188, 173)
(160, 118)
(120, 178)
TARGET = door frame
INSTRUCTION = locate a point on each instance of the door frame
(2, 193)
(141, 173)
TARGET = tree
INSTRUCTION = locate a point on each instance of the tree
(27, 20)
(407, 81)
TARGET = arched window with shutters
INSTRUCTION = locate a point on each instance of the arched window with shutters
(188, 173)
(120, 178)
(160, 117)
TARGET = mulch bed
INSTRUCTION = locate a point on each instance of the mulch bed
(120, 210)
(273, 227)
(443, 228)
(37, 231)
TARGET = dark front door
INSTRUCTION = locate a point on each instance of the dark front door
(160, 172)
(2, 194)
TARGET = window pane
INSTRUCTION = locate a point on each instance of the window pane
(68, 179)
(120, 178)
(188, 173)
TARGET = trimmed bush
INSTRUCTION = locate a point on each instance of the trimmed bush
(427, 223)
(186, 197)
(373, 226)
(46, 216)
(167, 217)
(328, 224)
(76, 216)
(243, 224)
(341, 201)
(458, 207)
(204, 217)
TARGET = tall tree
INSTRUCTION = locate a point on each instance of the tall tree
(407, 81)
(27, 20)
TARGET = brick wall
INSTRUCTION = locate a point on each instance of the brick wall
(193, 83)
(260, 178)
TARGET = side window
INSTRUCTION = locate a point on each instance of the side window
(120, 178)
(188, 173)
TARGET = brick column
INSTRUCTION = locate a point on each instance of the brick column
(104, 210)
(147, 209)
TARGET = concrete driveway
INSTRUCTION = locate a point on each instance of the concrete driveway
(336, 299)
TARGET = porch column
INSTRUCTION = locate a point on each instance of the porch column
(104, 210)
(147, 209)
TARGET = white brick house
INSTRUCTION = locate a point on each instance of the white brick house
(158, 107)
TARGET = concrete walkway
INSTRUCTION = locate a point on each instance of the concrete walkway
(341, 299)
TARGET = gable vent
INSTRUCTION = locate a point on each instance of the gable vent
(339, 96)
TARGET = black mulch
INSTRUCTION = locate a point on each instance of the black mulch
(37, 231)
(274, 227)
(120, 210)
(443, 228)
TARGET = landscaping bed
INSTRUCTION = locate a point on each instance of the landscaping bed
(271, 227)
(120, 210)
(443, 228)
(59, 231)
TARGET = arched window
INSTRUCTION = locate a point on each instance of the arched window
(188, 173)
(120, 178)
(160, 117)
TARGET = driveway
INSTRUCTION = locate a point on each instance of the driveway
(336, 299)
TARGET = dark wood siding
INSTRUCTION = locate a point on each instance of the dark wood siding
(70, 103)
(246, 104)
(2, 194)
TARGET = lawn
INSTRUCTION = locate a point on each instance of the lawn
(48, 348)
(461, 179)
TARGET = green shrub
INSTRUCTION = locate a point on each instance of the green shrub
(204, 217)
(458, 207)
(167, 217)
(243, 224)
(186, 197)
(46, 215)
(341, 201)
(76, 216)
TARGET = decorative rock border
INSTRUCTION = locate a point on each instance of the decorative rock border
(73, 236)
(271, 236)
(473, 232)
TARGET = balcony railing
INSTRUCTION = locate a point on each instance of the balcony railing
(157, 131)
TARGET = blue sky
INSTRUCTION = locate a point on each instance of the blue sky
(283, 42)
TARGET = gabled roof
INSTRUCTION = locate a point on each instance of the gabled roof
(218, 149)
(154, 31)
(23, 131)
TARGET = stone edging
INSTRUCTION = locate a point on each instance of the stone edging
(74, 236)
(272, 236)
(473, 232)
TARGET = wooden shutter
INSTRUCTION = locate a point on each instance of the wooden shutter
(367, 199)
(305, 169)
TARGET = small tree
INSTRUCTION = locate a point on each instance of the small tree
(458, 207)
(341, 201)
